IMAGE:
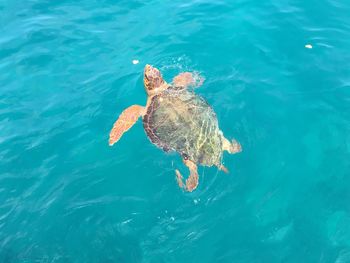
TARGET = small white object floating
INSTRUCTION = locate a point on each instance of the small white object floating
(135, 61)
(308, 46)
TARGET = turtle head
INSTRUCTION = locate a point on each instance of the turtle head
(152, 79)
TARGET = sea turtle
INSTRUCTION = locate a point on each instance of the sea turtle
(176, 119)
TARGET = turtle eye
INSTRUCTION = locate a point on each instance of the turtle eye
(185, 156)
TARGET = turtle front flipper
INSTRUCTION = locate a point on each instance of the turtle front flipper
(125, 121)
(187, 79)
(192, 180)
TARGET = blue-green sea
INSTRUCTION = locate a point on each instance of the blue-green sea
(67, 72)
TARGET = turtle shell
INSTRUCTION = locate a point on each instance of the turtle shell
(179, 120)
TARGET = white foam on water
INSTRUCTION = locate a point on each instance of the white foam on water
(308, 46)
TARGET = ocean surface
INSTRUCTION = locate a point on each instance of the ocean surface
(66, 73)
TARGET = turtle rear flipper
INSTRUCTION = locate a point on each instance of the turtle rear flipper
(232, 147)
(125, 121)
(192, 180)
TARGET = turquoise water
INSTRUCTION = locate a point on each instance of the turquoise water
(66, 73)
